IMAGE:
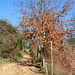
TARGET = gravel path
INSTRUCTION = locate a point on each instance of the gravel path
(21, 67)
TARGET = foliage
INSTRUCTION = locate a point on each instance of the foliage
(5, 40)
(45, 22)
(19, 54)
(10, 40)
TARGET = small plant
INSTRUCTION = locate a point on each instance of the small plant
(36, 59)
(12, 60)
(19, 54)
(0, 58)
(15, 59)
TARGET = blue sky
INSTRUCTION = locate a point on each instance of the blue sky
(7, 8)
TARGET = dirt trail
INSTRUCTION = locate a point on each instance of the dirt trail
(21, 67)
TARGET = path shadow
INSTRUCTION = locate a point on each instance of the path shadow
(36, 72)
(29, 62)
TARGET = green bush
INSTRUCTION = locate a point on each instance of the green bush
(19, 54)
(15, 59)
(12, 60)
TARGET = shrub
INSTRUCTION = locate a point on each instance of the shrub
(19, 54)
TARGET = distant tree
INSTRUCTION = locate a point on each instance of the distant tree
(71, 39)
(10, 39)
(5, 40)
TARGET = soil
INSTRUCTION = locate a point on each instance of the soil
(23, 66)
